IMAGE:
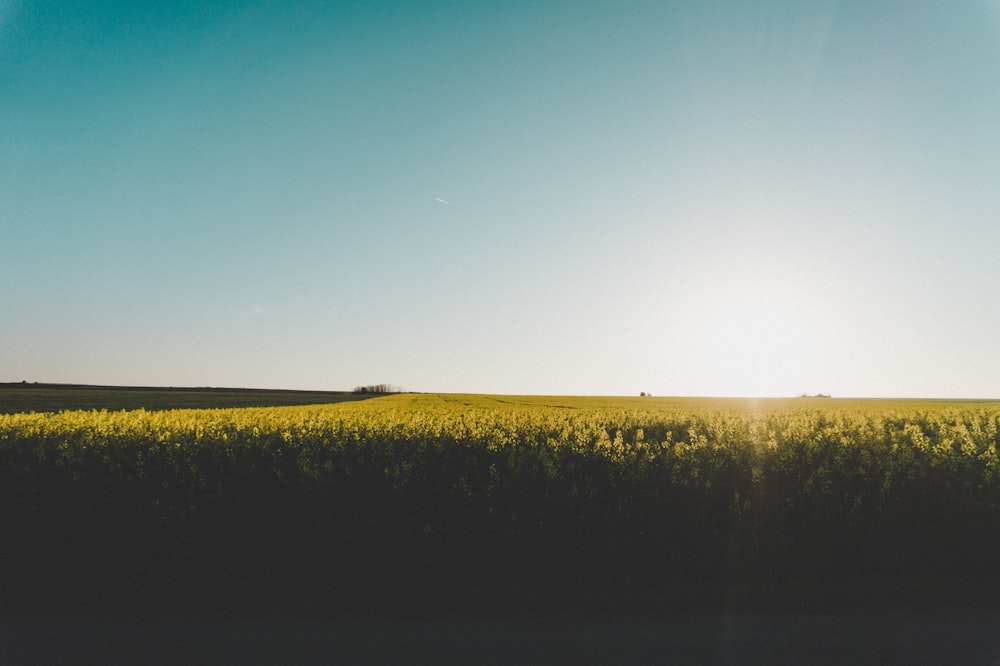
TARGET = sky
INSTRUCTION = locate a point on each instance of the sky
(712, 197)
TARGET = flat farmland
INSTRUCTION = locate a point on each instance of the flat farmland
(437, 505)
(25, 397)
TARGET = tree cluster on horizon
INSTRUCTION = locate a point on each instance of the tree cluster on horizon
(378, 388)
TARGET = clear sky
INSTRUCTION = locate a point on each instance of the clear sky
(709, 197)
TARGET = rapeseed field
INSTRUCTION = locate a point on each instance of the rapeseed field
(434, 504)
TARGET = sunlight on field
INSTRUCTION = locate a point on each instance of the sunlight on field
(447, 503)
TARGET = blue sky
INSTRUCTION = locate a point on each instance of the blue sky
(688, 198)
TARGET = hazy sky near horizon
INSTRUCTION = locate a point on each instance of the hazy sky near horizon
(714, 197)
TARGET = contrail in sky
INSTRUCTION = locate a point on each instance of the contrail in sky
(440, 200)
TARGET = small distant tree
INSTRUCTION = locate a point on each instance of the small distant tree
(378, 388)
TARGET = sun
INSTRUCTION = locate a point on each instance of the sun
(757, 335)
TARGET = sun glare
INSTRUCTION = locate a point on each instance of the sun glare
(755, 336)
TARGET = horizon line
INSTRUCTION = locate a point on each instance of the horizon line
(642, 394)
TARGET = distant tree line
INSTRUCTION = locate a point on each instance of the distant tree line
(378, 388)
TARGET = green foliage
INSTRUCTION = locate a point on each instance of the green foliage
(444, 503)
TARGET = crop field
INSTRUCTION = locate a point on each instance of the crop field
(437, 505)
(25, 397)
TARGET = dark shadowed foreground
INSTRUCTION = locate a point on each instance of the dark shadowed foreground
(429, 529)
(837, 638)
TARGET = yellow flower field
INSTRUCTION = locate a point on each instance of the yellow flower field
(437, 503)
